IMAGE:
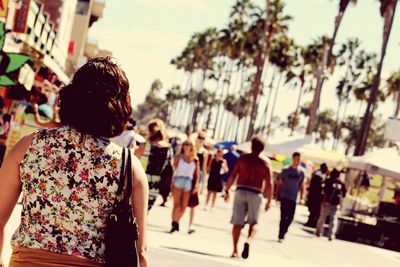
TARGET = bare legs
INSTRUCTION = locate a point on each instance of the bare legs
(213, 196)
(252, 233)
(237, 229)
(181, 200)
(191, 219)
(236, 234)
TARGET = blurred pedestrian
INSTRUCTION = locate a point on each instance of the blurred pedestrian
(68, 176)
(216, 169)
(130, 139)
(290, 183)
(334, 192)
(254, 174)
(231, 158)
(202, 155)
(315, 194)
(159, 168)
(186, 170)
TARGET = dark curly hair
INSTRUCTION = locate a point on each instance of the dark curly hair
(97, 100)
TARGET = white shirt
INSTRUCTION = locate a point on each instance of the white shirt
(127, 138)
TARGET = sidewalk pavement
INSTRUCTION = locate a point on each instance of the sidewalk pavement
(211, 244)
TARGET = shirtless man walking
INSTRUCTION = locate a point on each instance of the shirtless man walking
(254, 177)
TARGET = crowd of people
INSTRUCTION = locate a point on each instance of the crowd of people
(197, 166)
(68, 175)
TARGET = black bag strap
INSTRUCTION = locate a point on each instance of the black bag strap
(122, 174)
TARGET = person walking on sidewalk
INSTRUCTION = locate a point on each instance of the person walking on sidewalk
(217, 168)
(290, 183)
(186, 169)
(334, 192)
(315, 194)
(254, 176)
(69, 176)
(159, 167)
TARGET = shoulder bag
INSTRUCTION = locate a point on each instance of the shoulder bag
(122, 230)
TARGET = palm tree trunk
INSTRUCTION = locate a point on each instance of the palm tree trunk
(317, 95)
(217, 94)
(265, 114)
(260, 62)
(237, 129)
(227, 82)
(297, 111)
(336, 130)
(197, 103)
(326, 62)
(245, 123)
(274, 104)
(397, 111)
(262, 119)
(361, 145)
(176, 120)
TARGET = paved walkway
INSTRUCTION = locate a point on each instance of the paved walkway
(211, 244)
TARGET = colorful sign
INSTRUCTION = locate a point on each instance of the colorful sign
(3, 8)
(9, 62)
(21, 17)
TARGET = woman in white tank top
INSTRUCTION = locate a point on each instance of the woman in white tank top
(186, 177)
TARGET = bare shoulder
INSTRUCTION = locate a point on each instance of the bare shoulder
(18, 152)
(138, 171)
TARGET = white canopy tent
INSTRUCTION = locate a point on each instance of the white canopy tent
(385, 162)
(304, 145)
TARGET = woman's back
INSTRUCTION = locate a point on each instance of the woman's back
(157, 159)
(69, 182)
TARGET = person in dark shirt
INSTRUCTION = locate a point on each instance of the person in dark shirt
(216, 168)
(159, 162)
(314, 196)
(290, 183)
(334, 192)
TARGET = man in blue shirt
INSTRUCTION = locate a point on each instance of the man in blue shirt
(231, 158)
(290, 183)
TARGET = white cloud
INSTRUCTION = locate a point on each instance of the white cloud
(198, 5)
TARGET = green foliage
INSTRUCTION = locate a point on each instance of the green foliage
(6, 81)
(16, 61)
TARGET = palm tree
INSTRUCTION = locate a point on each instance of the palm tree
(387, 10)
(301, 72)
(205, 52)
(231, 103)
(326, 61)
(173, 95)
(274, 22)
(325, 124)
(348, 55)
(393, 89)
(284, 57)
(232, 47)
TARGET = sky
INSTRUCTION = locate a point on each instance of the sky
(144, 35)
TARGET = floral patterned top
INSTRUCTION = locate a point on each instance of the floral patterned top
(69, 183)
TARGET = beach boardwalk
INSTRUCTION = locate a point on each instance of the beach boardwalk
(211, 244)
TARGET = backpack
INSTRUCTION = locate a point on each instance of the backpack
(336, 194)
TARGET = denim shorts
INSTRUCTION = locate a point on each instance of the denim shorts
(184, 183)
